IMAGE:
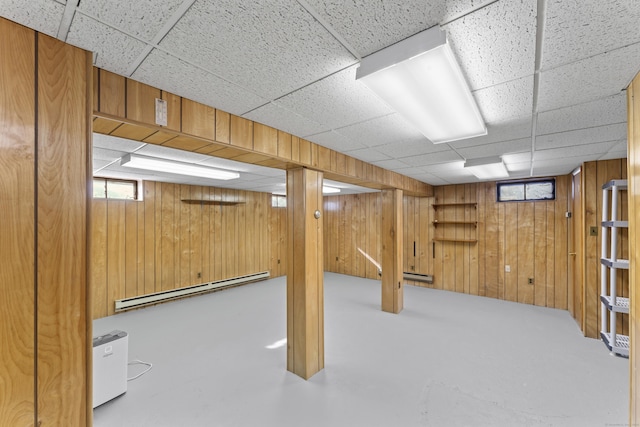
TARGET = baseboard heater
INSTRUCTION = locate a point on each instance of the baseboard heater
(154, 298)
(426, 278)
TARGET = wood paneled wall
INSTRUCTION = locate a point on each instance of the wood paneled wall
(531, 238)
(594, 176)
(162, 242)
(633, 123)
(45, 152)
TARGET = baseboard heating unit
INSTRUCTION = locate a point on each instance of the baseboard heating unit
(154, 298)
(417, 277)
(110, 353)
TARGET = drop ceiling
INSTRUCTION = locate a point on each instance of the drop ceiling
(548, 75)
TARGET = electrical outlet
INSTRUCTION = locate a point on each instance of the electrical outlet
(531, 280)
(507, 269)
(593, 231)
(199, 275)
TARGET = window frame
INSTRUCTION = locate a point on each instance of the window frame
(524, 184)
(106, 181)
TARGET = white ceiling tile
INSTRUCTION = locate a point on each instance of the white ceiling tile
(443, 169)
(99, 164)
(113, 50)
(114, 143)
(336, 101)
(497, 43)
(498, 132)
(335, 141)
(379, 24)
(107, 155)
(368, 155)
(575, 30)
(518, 167)
(596, 150)
(577, 138)
(40, 15)
(411, 148)
(140, 18)
(432, 158)
(169, 153)
(559, 166)
(587, 80)
(169, 73)
(505, 101)
(517, 158)
(391, 164)
(591, 114)
(496, 148)
(382, 130)
(431, 179)
(274, 115)
(249, 44)
(614, 155)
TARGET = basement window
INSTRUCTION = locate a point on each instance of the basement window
(109, 188)
(278, 201)
(527, 191)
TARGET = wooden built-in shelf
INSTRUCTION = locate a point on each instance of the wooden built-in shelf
(437, 205)
(444, 239)
(474, 223)
(211, 202)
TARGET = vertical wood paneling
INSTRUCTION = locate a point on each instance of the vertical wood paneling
(163, 243)
(63, 150)
(198, 119)
(633, 123)
(141, 102)
(540, 253)
(111, 95)
(17, 154)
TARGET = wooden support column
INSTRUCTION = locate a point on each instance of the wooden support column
(392, 292)
(305, 292)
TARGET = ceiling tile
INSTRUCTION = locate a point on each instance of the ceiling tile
(497, 43)
(40, 15)
(114, 51)
(579, 137)
(517, 158)
(380, 24)
(99, 164)
(391, 164)
(411, 148)
(576, 30)
(176, 76)
(496, 148)
(368, 155)
(115, 143)
(335, 141)
(140, 18)
(591, 114)
(595, 150)
(505, 101)
(249, 44)
(588, 80)
(432, 158)
(497, 132)
(518, 167)
(274, 115)
(336, 101)
(107, 155)
(382, 130)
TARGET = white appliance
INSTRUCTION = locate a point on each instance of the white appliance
(110, 353)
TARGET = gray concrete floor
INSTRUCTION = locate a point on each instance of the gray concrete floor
(447, 360)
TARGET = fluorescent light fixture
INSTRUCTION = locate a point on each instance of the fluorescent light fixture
(487, 168)
(173, 167)
(420, 79)
(329, 190)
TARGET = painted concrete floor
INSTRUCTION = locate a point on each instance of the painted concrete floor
(447, 360)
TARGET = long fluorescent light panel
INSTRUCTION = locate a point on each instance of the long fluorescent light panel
(487, 168)
(173, 167)
(420, 79)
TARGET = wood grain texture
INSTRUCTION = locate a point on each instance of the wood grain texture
(241, 132)
(305, 293)
(633, 124)
(265, 139)
(17, 228)
(198, 119)
(141, 102)
(392, 253)
(111, 94)
(64, 98)
(163, 243)
(174, 111)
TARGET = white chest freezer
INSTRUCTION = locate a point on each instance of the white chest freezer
(110, 354)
